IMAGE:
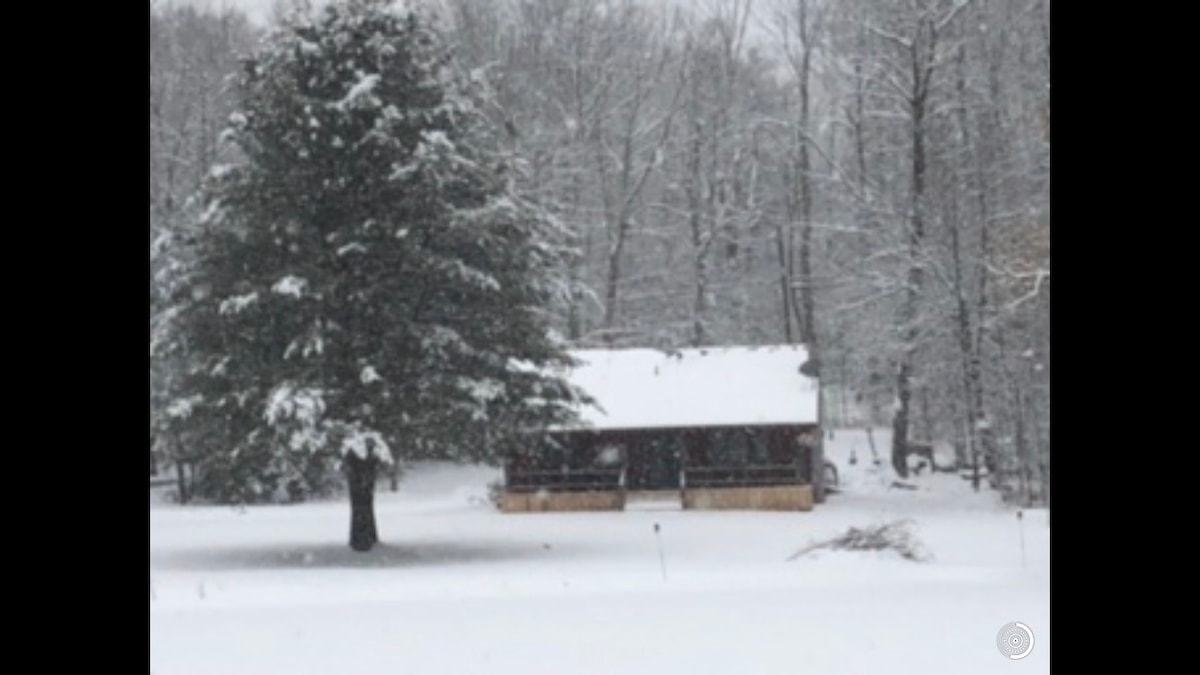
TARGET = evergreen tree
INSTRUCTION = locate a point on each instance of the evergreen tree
(369, 280)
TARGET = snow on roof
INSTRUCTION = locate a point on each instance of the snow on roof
(712, 386)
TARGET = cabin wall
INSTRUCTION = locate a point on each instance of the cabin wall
(750, 467)
(562, 501)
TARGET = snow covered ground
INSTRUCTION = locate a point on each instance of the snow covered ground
(457, 587)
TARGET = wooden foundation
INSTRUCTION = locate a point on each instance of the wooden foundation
(775, 498)
(525, 502)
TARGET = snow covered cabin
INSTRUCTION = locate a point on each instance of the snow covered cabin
(717, 427)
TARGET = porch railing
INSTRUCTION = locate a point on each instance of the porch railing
(742, 476)
(581, 480)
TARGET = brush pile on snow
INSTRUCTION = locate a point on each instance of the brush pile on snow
(895, 536)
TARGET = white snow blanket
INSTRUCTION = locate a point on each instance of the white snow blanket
(458, 588)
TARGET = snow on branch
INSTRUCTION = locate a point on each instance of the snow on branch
(219, 171)
(472, 276)
(236, 303)
(959, 5)
(352, 247)
(363, 88)
(212, 214)
(441, 338)
(291, 285)
(895, 38)
(1041, 275)
(304, 405)
(482, 390)
(181, 408)
(434, 139)
(495, 208)
(368, 374)
(364, 443)
(311, 343)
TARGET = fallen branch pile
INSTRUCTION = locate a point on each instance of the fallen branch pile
(897, 536)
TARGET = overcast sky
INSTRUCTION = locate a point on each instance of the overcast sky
(257, 10)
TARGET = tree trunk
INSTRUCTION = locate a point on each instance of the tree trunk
(900, 421)
(360, 473)
(808, 327)
(613, 279)
(927, 433)
(575, 277)
(1022, 446)
(699, 241)
(785, 282)
(922, 72)
(181, 481)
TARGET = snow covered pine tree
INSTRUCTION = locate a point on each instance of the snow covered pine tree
(369, 279)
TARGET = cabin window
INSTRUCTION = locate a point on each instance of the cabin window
(697, 445)
(804, 455)
(609, 455)
(654, 460)
(782, 446)
(758, 451)
(579, 452)
(552, 455)
(728, 447)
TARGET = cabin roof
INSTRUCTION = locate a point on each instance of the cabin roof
(712, 386)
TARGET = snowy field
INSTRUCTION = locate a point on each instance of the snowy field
(459, 588)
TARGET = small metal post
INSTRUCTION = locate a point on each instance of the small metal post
(1021, 528)
(662, 561)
